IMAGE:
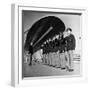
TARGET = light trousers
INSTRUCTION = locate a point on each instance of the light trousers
(62, 60)
(69, 59)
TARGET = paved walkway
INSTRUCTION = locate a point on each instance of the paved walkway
(38, 69)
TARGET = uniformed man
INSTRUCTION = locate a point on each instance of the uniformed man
(53, 52)
(60, 49)
(62, 53)
(43, 58)
(70, 44)
(47, 52)
(50, 52)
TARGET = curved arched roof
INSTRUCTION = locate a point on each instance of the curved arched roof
(42, 30)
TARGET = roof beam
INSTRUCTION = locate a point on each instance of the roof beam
(44, 35)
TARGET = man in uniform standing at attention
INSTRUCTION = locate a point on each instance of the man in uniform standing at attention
(70, 45)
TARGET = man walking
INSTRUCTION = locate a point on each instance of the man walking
(31, 53)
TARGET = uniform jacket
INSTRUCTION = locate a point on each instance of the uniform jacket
(70, 42)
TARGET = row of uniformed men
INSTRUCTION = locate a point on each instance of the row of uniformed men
(60, 53)
(58, 59)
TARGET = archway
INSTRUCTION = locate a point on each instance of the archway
(42, 30)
